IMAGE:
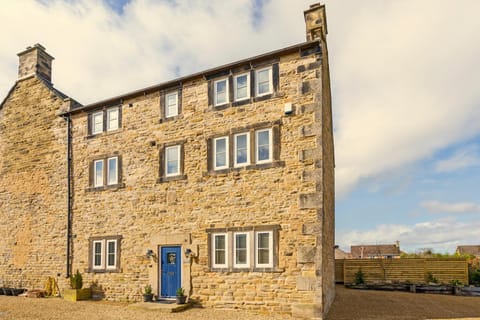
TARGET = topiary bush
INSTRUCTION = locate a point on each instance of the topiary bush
(359, 277)
(76, 281)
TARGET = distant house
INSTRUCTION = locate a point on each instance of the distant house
(340, 254)
(472, 250)
(377, 251)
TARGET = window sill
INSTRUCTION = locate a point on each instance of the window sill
(241, 102)
(91, 270)
(103, 133)
(263, 166)
(235, 270)
(172, 178)
(222, 106)
(172, 118)
(109, 187)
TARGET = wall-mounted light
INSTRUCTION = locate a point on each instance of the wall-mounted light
(288, 108)
(188, 252)
(149, 253)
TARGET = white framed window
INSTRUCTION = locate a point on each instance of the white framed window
(172, 161)
(171, 104)
(264, 249)
(97, 122)
(241, 149)
(105, 253)
(112, 119)
(112, 170)
(220, 152)
(98, 260)
(241, 252)
(241, 85)
(263, 81)
(220, 94)
(98, 173)
(111, 254)
(219, 250)
(263, 146)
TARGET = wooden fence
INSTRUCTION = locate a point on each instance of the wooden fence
(402, 270)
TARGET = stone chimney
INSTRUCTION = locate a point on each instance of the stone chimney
(35, 60)
(316, 22)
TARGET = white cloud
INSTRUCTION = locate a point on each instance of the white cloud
(459, 207)
(465, 158)
(405, 82)
(404, 73)
(443, 235)
(100, 54)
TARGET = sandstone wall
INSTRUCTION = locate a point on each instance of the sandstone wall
(148, 213)
(33, 193)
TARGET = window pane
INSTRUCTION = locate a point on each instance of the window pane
(220, 249)
(172, 104)
(241, 87)
(263, 256)
(112, 116)
(97, 122)
(97, 254)
(221, 152)
(221, 91)
(111, 253)
(263, 145)
(112, 171)
(263, 81)
(172, 160)
(98, 175)
(241, 249)
(263, 75)
(263, 247)
(241, 149)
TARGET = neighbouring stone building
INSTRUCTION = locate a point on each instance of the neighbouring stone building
(375, 251)
(220, 182)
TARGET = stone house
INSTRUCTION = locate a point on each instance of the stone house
(473, 250)
(375, 251)
(220, 182)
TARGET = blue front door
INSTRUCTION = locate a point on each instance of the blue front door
(170, 271)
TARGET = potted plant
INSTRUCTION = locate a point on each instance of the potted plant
(147, 294)
(77, 292)
(181, 297)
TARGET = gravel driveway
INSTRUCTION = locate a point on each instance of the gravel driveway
(349, 305)
(368, 305)
(21, 308)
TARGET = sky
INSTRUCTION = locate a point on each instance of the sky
(405, 86)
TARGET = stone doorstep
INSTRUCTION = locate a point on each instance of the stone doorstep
(162, 307)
